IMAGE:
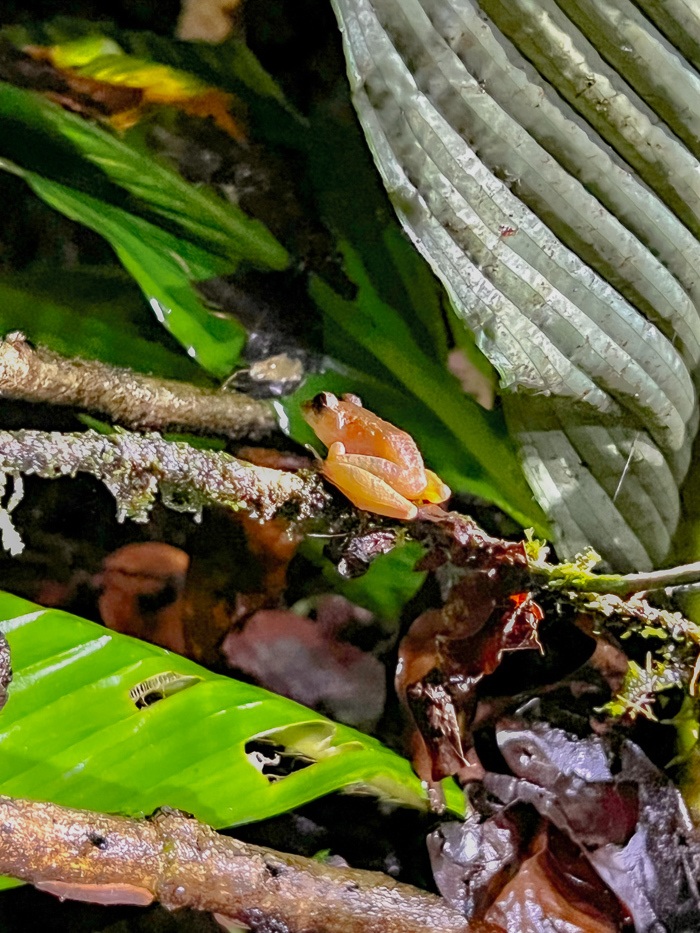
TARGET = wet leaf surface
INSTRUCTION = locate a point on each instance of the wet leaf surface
(583, 831)
(487, 614)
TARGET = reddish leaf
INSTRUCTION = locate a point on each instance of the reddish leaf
(541, 899)
(474, 860)
(444, 656)
(301, 659)
(613, 803)
(519, 873)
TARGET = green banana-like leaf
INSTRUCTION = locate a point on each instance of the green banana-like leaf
(77, 730)
(164, 266)
(196, 213)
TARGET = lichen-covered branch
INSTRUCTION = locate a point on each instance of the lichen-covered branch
(135, 468)
(127, 398)
(182, 863)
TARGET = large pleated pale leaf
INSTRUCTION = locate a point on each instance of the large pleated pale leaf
(552, 195)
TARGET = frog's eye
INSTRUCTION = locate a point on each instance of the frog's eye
(319, 403)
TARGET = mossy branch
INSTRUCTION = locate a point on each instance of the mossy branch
(135, 468)
(579, 576)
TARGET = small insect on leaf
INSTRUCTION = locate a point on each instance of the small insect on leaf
(159, 687)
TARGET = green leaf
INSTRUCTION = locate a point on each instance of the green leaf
(385, 588)
(353, 205)
(97, 425)
(226, 63)
(78, 52)
(92, 314)
(120, 69)
(195, 212)
(165, 268)
(423, 290)
(75, 732)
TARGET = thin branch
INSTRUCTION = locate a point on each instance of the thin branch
(622, 585)
(632, 583)
(127, 398)
(182, 863)
(136, 467)
(145, 402)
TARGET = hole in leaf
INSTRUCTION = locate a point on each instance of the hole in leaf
(160, 687)
(280, 752)
(273, 761)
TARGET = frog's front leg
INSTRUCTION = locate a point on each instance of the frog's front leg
(360, 478)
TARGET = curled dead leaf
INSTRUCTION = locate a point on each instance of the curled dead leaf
(142, 586)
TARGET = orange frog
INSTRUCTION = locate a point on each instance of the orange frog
(376, 465)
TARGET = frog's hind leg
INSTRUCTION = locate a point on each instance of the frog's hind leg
(367, 491)
(406, 482)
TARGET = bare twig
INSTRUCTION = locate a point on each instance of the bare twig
(127, 398)
(182, 863)
(135, 467)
